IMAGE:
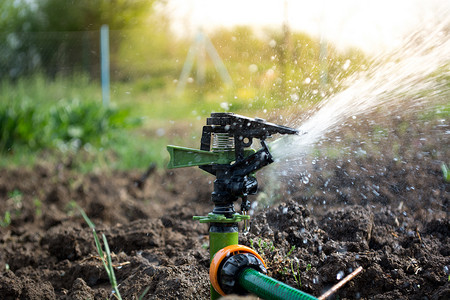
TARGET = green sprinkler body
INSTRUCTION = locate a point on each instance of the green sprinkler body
(225, 153)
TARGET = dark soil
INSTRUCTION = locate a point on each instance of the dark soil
(390, 217)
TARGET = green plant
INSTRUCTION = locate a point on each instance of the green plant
(104, 256)
(296, 274)
(263, 246)
(445, 172)
(38, 206)
(308, 267)
(6, 219)
(16, 198)
(291, 250)
(144, 293)
(70, 208)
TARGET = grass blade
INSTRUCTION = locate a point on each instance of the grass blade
(104, 257)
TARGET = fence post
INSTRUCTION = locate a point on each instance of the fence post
(104, 63)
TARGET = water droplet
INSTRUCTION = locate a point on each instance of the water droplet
(225, 105)
(346, 65)
(253, 68)
(340, 275)
(295, 97)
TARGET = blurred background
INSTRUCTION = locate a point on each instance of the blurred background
(169, 64)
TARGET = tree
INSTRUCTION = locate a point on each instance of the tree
(51, 34)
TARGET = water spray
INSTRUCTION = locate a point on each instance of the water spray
(225, 153)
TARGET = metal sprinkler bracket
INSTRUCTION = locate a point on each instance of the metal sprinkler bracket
(225, 153)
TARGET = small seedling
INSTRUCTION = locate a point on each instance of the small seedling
(38, 205)
(291, 250)
(105, 257)
(144, 293)
(70, 208)
(16, 198)
(296, 275)
(6, 219)
(445, 172)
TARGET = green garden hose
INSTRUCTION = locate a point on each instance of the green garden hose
(269, 288)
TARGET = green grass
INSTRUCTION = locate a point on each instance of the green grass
(445, 172)
(105, 256)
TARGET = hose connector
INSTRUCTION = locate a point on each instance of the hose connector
(227, 265)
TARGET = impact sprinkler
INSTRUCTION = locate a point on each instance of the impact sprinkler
(225, 153)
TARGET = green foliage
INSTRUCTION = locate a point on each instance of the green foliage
(68, 15)
(68, 124)
(85, 122)
(29, 30)
(263, 246)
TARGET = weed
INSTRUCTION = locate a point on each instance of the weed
(105, 257)
(15, 199)
(296, 275)
(445, 172)
(6, 219)
(70, 208)
(263, 246)
(15, 194)
(144, 293)
(38, 206)
(291, 250)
